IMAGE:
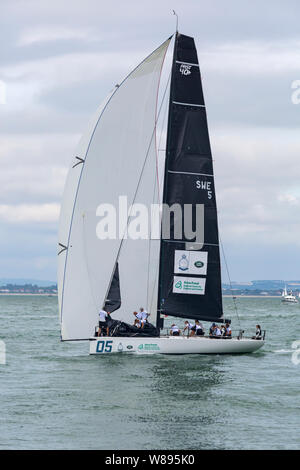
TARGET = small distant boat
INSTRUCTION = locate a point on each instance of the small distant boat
(288, 297)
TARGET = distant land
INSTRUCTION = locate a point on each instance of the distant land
(251, 288)
(265, 287)
(27, 287)
(21, 281)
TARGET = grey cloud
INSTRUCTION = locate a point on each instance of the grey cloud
(249, 56)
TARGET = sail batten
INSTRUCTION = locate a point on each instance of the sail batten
(189, 277)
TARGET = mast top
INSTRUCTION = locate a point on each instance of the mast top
(174, 13)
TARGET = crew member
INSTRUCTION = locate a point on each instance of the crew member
(227, 331)
(211, 330)
(199, 330)
(103, 317)
(217, 332)
(144, 317)
(188, 326)
(175, 331)
(257, 332)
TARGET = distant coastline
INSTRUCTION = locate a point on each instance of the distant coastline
(255, 296)
(28, 288)
(252, 289)
(24, 294)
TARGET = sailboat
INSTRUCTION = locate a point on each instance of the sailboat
(169, 274)
(288, 296)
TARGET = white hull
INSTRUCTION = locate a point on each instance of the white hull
(173, 345)
(291, 300)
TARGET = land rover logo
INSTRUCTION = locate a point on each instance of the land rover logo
(129, 346)
(199, 264)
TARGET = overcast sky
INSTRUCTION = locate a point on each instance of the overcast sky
(59, 59)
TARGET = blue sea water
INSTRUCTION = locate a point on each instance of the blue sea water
(55, 396)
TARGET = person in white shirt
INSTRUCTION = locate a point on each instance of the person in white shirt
(199, 330)
(138, 319)
(103, 317)
(188, 327)
(227, 331)
(175, 331)
(143, 316)
(138, 315)
(217, 332)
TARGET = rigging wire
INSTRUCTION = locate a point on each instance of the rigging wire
(230, 284)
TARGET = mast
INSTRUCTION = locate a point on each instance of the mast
(189, 275)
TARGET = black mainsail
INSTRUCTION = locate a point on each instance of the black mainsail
(113, 301)
(189, 275)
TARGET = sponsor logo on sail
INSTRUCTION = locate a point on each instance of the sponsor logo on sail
(190, 262)
(183, 263)
(199, 264)
(185, 69)
(189, 285)
(129, 346)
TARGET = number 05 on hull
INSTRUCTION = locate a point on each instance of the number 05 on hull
(173, 345)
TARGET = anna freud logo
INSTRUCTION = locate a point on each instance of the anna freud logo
(138, 222)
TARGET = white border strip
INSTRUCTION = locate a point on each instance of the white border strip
(188, 173)
(187, 63)
(189, 104)
(191, 243)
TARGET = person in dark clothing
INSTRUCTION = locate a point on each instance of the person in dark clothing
(257, 333)
(174, 331)
(104, 322)
(212, 329)
(199, 330)
(227, 333)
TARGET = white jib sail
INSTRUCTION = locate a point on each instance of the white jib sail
(114, 155)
